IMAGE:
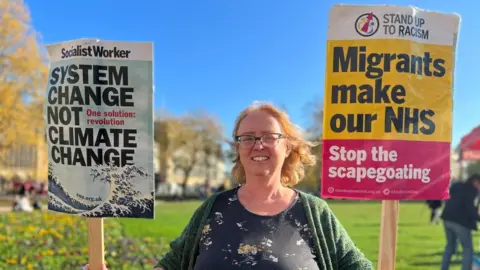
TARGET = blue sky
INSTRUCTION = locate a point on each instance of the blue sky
(220, 55)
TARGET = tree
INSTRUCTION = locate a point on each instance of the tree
(202, 134)
(212, 134)
(314, 111)
(170, 136)
(231, 153)
(23, 77)
(473, 167)
(312, 179)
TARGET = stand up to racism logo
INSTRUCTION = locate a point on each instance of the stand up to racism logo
(367, 24)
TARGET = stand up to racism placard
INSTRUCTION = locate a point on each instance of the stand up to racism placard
(388, 103)
(99, 127)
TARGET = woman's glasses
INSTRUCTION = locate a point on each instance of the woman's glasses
(267, 140)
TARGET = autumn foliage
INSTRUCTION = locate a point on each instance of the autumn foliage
(23, 75)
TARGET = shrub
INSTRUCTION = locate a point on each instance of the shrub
(44, 240)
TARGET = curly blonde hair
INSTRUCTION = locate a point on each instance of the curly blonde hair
(293, 169)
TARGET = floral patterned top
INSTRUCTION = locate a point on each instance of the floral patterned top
(234, 238)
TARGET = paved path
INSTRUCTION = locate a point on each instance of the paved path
(6, 209)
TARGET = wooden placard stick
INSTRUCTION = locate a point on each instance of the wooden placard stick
(96, 249)
(388, 235)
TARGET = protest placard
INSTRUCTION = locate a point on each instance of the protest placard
(388, 109)
(99, 128)
(388, 103)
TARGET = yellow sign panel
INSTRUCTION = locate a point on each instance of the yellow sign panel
(388, 90)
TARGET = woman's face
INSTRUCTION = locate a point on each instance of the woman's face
(261, 157)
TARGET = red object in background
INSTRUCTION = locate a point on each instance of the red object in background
(471, 155)
(470, 145)
(420, 171)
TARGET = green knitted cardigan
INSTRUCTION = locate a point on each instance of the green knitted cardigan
(335, 249)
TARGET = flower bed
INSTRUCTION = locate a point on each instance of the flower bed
(55, 241)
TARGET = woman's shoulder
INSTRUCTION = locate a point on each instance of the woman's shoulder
(317, 207)
(313, 201)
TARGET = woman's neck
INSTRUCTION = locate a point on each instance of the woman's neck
(264, 190)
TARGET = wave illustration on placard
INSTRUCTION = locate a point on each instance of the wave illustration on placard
(124, 200)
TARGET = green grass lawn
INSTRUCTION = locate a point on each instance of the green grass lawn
(419, 245)
(170, 219)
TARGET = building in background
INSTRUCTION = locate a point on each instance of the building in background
(26, 162)
(216, 173)
(156, 158)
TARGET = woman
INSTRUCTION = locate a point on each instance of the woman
(265, 223)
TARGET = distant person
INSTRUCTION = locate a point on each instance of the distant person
(15, 202)
(23, 190)
(43, 189)
(224, 186)
(37, 204)
(265, 223)
(460, 217)
(221, 188)
(3, 184)
(207, 189)
(22, 204)
(435, 208)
